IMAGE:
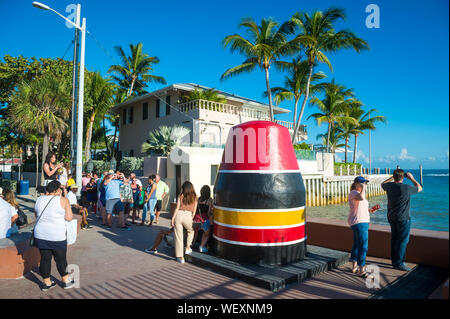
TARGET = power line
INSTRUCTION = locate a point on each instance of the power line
(70, 44)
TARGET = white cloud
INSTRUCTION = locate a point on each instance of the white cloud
(404, 155)
(431, 158)
(361, 156)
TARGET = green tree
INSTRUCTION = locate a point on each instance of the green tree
(295, 84)
(266, 44)
(335, 140)
(318, 36)
(333, 107)
(364, 121)
(41, 106)
(164, 139)
(208, 95)
(98, 102)
(134, 72)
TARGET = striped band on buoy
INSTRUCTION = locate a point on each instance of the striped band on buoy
(259, 206)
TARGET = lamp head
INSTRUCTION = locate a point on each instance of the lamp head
(40, 5)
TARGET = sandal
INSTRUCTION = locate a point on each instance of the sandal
(366, 275)
(354, 270)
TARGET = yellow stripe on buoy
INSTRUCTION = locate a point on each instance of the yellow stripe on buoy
(278, 217)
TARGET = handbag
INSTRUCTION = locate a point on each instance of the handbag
(71, 231)
(22, 220)
(32, 239)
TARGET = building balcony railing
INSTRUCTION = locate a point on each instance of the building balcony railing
(236, 110)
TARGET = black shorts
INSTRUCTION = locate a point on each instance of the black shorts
(75, 210)
(158, 205)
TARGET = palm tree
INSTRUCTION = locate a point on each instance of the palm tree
(348, 129)
(335, 138)
(208, 95)
(318, 36)
(99, 93)
(41, 106)
(134, 72)
(333, 107)
(164, 139)
(295, 84)
(365, 121)
(266, 44)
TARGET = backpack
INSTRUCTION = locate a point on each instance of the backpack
(22, 220)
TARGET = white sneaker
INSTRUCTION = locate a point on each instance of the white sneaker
(188, 251)
(180, 260)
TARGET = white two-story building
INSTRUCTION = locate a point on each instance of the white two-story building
(208, 122)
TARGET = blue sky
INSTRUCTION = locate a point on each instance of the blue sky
(404, 75)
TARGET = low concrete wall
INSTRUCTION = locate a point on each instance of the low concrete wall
(425, 246)
(17, 257)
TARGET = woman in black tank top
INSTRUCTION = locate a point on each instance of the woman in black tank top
(205, 216)
(50, 168)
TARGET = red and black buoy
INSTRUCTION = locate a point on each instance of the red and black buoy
(259, 199)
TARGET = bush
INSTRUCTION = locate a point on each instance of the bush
(8, 184)
(98, 166)
(302, 146)
(130, 164)
(352, 167)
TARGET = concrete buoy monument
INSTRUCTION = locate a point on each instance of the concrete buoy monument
(259, 198)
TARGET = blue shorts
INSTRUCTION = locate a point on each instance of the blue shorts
(114, 206)
(206, 225)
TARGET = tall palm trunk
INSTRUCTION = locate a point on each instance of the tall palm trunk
(346, 148)
(297, 125)
(355, 148)
(328, 135)
(105, 138)
(295, 114)
(44, 153)
(87, 151)
(114, 148)
(37, 164)
(266, 69)
(130, 91)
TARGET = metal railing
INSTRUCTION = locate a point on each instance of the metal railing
(236, 110)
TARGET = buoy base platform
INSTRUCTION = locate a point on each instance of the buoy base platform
(274, 278)
(270, 256)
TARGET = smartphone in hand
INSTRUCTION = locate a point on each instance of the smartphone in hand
(375, 208)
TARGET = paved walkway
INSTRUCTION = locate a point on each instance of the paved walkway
(113, 264)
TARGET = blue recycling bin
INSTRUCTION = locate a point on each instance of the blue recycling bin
(24, 187)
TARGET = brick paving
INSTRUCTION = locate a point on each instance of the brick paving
(113, 264)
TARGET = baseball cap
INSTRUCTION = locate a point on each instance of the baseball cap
(360, 179)
(111, 172)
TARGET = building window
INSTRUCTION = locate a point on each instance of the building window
(145, 111)
(130, 115)
(124, 116)
(214, 169)
(168, 105)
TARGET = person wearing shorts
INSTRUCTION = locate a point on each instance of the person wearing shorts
(162, 190)
(113, 203)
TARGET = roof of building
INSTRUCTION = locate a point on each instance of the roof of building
(192, 87)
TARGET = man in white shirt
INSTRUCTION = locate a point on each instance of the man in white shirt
(5, 217)
(76, 208)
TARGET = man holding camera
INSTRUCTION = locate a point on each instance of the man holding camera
(399, 202)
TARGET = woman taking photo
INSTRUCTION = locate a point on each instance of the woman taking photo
(359, 219)
(150, 200)
(52, 210)
(136, 189)
(50, 168)
(182, 219)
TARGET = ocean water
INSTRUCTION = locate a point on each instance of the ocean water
(429, 208)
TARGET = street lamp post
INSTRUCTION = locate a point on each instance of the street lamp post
(80, 106)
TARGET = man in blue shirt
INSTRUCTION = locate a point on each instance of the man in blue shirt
(114, 205)
(399, 199)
